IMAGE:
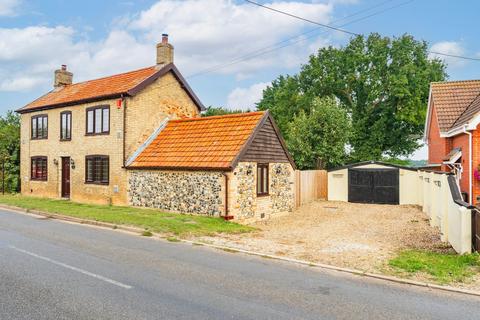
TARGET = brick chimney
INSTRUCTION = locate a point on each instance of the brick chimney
(164, 51)
(62, 77)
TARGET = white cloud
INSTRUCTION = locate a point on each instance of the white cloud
(222, 32)
(7, 7)
(449, 47)
(246, 98)
(225, 30)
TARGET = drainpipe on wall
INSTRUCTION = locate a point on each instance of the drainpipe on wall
(470, 156)
(124, 106)
(226, 216)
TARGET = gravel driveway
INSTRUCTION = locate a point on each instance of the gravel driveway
(361, 236)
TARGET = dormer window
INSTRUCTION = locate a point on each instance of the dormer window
(98, 120)
(39, 127)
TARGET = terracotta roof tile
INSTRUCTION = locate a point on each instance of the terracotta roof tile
(210, 142)
(107, 86)
(451, 99)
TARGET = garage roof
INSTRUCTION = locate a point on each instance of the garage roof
(359, 164)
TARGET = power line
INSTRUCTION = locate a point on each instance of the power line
(274, 47)
(343, 30)
(301, 18)
(454, 56)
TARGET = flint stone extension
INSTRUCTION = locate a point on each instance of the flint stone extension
(211, 166)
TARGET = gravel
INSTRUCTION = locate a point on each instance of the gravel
(360, 236)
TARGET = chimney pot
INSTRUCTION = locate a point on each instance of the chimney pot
(164, 51)
(164, 38)
(64, 67)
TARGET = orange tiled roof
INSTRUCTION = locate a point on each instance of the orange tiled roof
(209, 143)
(107, 86)
(451, 99)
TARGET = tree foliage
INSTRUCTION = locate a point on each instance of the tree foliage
(318, 139)
(10, 150)
(382, 84)
(220, 111)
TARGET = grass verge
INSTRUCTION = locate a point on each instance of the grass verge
(443, 268)
(181, 225)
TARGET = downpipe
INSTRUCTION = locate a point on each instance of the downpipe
(470, 173)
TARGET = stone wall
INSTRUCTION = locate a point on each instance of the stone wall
(244, 203)
(199, 192)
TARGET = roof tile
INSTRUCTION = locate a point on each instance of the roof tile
(451, 99)
(107, 86)
(210, 142)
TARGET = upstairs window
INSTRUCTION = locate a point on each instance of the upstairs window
(66, 125)
(262, 179)
(39, 169)
(98, 120)
(40, 127)
(97, 169)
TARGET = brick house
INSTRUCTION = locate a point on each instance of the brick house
(88, 142)
(451, 133)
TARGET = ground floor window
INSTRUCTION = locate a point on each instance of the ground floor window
(39, 168)
(97, 169)
(262, 179)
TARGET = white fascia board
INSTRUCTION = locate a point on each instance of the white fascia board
(472, 124)
(427, 118)
(452, 132)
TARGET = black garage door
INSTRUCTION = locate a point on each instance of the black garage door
(373, 186)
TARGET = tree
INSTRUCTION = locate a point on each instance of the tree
(382, 84)
(10, 150)
(317, 140)
(219, 111)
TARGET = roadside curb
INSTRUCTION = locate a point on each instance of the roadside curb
(138, 231)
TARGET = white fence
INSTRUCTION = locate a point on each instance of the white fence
(440, 198)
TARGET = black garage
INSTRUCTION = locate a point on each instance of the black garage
(371, 185)
(372, 182)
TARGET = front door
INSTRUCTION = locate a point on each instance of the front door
(65, 177)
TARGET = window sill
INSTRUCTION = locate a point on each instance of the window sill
(64, 140)
(97, 134)
(263, 195)
(39, 180)
(33, 139)
(98, 183)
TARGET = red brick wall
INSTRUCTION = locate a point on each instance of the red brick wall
(437, 147)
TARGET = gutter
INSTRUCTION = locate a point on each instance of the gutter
(470, 156)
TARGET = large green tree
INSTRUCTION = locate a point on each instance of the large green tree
(318, 139)
(10, 150)
(381, 82)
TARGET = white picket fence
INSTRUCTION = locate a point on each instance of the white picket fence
(439, 196)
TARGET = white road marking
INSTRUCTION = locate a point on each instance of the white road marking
(87, 273)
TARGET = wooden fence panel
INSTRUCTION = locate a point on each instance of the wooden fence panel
(310, 185)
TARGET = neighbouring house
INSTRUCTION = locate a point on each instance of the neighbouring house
(235, 166)
(451, 133)
(118, 140)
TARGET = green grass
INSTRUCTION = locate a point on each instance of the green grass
(155, 221)
(443, 268)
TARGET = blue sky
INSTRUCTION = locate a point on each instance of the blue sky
(98, 38)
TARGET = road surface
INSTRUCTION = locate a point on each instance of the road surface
(56, 270)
